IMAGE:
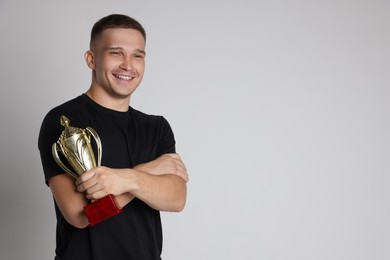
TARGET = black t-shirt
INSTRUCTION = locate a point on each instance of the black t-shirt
(128, 139)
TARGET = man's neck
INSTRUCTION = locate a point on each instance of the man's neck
(118, 104)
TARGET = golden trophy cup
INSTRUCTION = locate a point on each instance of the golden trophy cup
(75, 145)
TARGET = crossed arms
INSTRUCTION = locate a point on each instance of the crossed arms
(160, 183)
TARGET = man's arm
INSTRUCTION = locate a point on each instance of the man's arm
(70, 202)
(160, 183)
(165, 164)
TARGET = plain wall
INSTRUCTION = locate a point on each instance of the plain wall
(280, 110)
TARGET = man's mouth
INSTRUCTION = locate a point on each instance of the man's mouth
(124, 77)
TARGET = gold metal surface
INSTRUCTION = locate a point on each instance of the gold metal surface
(75, 145)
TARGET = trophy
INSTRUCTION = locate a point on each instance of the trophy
(75, 145)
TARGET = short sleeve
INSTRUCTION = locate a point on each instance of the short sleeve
(166, 139)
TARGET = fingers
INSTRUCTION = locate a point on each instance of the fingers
(96, 195)
(92, 185)
(179, 166)
(86, 176)
(183, 174)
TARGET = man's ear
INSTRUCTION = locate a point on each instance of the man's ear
(89, 59)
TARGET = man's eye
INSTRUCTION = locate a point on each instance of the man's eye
(115, 53)
(138, 56)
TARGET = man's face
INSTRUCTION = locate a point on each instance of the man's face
(118, 62)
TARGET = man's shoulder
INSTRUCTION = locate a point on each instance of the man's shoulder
(73, 104)
(146, 118)
(72, 109)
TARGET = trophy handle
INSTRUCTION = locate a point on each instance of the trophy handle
(98, 144)
(59, 162)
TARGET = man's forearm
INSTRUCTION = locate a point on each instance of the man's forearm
(124, 199)
(166, 192)
(165, 164)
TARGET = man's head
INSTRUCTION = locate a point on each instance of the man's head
(114, 21)
(117, 59)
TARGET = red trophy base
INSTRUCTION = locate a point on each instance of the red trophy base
(101, 209)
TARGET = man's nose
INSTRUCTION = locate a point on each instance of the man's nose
(127, 63)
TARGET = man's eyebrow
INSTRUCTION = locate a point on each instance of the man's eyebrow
(140, 51)
(121, 49)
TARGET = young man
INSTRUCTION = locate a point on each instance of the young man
(139, 164)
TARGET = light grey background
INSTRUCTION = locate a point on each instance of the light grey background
(280, 111)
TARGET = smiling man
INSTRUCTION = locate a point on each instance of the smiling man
(140, 166)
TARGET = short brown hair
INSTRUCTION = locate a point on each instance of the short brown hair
(115, 21)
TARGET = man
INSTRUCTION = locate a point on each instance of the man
(139, 164)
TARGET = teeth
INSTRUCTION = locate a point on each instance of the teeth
(124, 77)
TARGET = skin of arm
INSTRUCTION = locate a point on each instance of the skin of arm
(160, 183)
(69, 200)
